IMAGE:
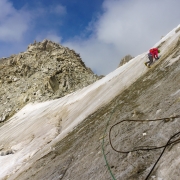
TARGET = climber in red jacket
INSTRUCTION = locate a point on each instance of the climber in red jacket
(153, 54)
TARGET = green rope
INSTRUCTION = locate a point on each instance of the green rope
(107, 164)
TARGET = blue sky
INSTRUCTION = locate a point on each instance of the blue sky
(101, 31)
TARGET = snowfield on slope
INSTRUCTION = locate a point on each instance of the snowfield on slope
(38, 126)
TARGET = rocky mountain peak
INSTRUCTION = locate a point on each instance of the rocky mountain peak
(44, 45)
(45, 71)
(125, 59)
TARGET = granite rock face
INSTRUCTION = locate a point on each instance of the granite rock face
(45, 71)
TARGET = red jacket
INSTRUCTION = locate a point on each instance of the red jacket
(154, 52)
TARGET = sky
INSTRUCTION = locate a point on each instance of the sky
(101, 31)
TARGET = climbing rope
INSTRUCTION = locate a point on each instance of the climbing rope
(147, 148)
(103, 150)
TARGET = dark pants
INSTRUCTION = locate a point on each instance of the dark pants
(150, 59)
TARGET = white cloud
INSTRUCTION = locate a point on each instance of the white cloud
(13, 23)
(59, 9)
(131, 22)
(96, 55)
(51, 35)
(5, 9)
(18, 27)
(125, 27)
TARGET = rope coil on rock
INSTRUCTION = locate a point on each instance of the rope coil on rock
(148, 148)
